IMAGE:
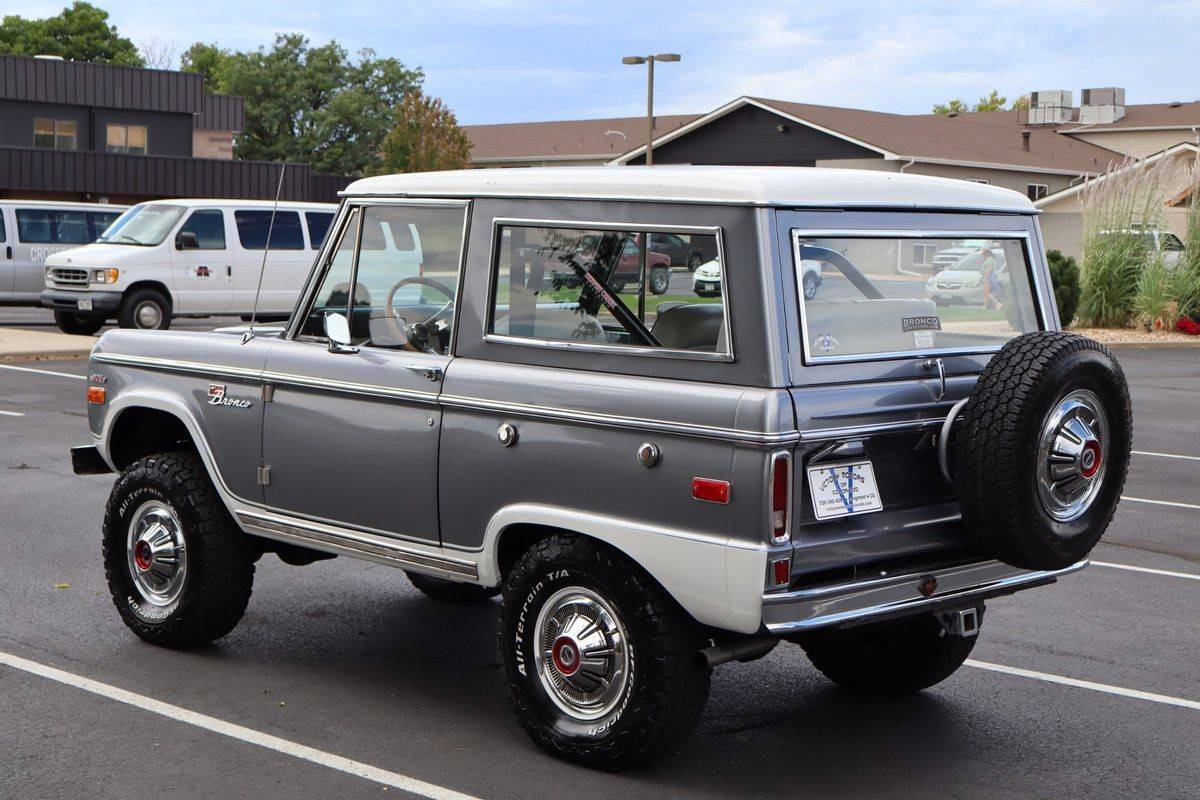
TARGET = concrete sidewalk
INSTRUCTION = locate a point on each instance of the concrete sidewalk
(18, 344)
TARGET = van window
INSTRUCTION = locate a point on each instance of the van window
(590, 287)
(318, 226)
(253, 227)
(98, 221)
(862, 296)
(334, 292)
(3, 233)
(208, 225)
(48, 226)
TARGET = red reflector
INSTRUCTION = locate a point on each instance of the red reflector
(779, 498)
(710, 490)
(96, 395)
(781, 571)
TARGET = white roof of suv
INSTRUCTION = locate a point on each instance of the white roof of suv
(766, 186)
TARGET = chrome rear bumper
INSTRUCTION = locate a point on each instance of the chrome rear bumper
(897, 595)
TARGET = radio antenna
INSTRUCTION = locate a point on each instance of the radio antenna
(248, 335)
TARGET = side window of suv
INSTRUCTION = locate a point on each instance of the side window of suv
(596, 288)
(208, 225)
(403, 262)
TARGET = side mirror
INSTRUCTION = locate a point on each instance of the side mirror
(186, 240)
(337, 330)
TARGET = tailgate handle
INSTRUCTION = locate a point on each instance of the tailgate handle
(943, 444)
(940, 366)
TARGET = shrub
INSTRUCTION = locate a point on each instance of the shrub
(1154, 307)
(1064, 275)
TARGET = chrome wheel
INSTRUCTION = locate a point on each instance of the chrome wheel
(582, 653)
(148, 315)
(1072, 455)
(156, 553)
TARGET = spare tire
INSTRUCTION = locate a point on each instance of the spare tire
(1043, 450)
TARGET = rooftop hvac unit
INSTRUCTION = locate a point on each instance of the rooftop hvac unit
(1100, 106)
(1050, 107)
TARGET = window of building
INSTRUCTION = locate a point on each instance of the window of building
(208, 226)
(597, 287)
(55, 134)
(923, 254)
(126, 139)
(47, 226)
(1036, 191)
(255, 226)
(318, 226)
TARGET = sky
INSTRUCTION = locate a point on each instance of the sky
(507, 61)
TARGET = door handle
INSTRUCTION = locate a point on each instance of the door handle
(228, 271)
(429, 373)
(8, 252)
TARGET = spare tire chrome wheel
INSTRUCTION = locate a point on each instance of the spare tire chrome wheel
(1043, 450)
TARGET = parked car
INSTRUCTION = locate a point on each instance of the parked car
(683, 251)
(707, 280)
(652, 491)
(33, 230)
(178, 258)
(626, 271)
(963, 282)
(1155, 240)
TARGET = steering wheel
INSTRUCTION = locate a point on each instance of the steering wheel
(418, 334)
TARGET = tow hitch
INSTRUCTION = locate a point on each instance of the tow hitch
(962, 621)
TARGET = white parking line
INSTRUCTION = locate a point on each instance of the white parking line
(11, 414)
(44, 372)
(1171, 503)
(1164, 572)
(248, 735)
(1164, 455)
(1136, 694)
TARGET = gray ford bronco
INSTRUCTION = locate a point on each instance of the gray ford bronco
(654, 483)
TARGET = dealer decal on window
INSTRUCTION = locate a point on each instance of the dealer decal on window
(929, 323)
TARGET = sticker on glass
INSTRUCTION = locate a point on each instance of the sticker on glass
(922, 339)
(827, 342)
(927, 323)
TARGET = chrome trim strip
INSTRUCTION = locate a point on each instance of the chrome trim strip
(614, 421)
(715, 231)
(830, 434)
(330, 538)
(807, 609)
(175, 365)
(347, 387)
(1032, 266)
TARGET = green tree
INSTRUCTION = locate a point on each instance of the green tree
(309, 104)
(1021, 103)
(79, 32)
(956, 106)
(994, 101)
(426, 137)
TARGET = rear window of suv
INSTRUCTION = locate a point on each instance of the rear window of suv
(881, 296)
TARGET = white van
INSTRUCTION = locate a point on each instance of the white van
(179, 258)
(31, 230)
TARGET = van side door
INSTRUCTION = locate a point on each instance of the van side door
(201, 262)
(286, 264)
(7, 271)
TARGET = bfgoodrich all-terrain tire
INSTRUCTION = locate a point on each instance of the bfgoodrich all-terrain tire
(894, 657)
(600, 661)
(451, 591)
(1043, 451)
(179, 570)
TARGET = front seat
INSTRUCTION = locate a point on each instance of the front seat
(695, 326)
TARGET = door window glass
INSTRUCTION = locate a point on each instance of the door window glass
(333, 295)
(255, 226)
(601, 287)
(3, 233)
(47, 226)
(208, 225)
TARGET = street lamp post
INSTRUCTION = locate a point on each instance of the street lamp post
(649, 62)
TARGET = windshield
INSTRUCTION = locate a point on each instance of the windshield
(145, 225)
(880, 296)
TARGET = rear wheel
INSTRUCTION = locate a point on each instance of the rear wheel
(810, 286)
(600, 661)
(451, 591)
(145, 309)
(179, 570)
(694, 262)
(892, 657)
(78, 324)
(660, 279)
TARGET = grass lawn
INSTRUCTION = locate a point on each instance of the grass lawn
(969, 314)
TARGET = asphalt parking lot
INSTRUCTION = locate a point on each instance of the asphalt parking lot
(343, 681)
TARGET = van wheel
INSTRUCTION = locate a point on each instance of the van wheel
(888, 658)
(179, 570)
(145, 309)
(78, 324)
(600, 662)
(451, 591)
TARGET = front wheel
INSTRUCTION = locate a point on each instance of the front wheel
(888, 658)
(145, 309)
(600, 661)
(78, 324)
(179, 570)
(810, 286)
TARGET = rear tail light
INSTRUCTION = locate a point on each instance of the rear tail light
(781, 497)
(781, 571)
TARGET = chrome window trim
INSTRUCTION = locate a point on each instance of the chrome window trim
(321, 265)
(882, 233)
(634, 350)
